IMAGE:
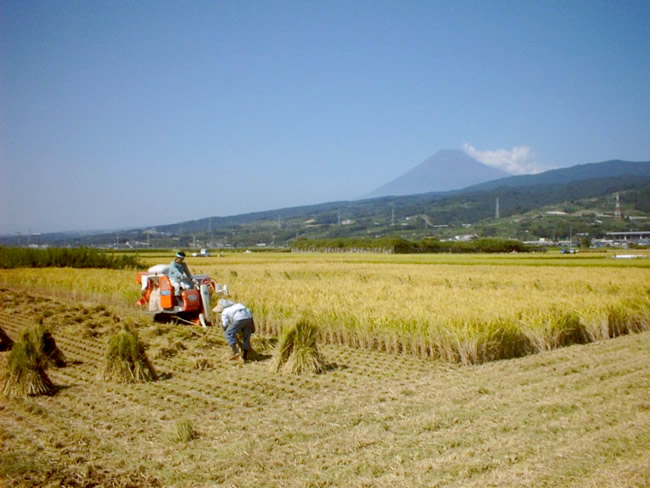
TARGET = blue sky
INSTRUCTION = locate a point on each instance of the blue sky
(117, 114)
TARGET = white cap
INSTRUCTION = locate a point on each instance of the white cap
(222, 305)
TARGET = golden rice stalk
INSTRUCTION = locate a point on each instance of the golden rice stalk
(24, 373)
(627, 317)
(297, 350)
(285, 347)
(126, 361)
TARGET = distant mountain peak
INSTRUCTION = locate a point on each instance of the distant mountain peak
(446, 170)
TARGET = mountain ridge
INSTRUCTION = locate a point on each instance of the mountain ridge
(446, 170)
(604, 169)
(389, 214)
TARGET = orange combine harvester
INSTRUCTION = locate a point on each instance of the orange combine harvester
(161, 299)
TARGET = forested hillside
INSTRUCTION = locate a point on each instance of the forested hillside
(550, 205)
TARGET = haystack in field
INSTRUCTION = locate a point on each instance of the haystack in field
(5, 341)
(24, 372)
(297, 351)
(126, 361)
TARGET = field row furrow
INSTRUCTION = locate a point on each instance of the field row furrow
(71, 351)
(167, 392)
(87, 344)
(152, 393)
(275, 386)
(109, 398)
(71, 376)
(54, 437)
(11, 327)
(16, 323)
(242, 389)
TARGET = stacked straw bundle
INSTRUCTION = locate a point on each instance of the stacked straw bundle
(297, 351)
(46, 347)
(126, 361)
(25, 373)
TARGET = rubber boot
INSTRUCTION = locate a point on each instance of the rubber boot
(245, 354)
(235, 352)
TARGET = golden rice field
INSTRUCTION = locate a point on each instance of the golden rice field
(381, 414)
(467, 309)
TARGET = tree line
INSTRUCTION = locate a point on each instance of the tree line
(81, 257)
(397, 245)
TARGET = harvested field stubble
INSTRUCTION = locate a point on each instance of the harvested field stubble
(577, 416)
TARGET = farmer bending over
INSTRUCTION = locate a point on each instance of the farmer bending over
(179, 273)
(236, 318)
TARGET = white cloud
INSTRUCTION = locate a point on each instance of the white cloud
(519, 160)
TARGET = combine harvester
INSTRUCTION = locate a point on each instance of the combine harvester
(191, 306)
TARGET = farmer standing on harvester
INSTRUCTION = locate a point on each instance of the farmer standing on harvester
(236, 318)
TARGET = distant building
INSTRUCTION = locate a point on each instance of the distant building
(465, 237)
(639, 237)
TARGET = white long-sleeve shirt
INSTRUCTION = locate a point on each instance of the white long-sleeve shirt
(233, 313)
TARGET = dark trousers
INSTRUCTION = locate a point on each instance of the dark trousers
(245, 326)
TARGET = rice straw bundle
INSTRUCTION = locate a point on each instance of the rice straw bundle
(297, 351)
(45, 345)
(126, 361)
(25, 371)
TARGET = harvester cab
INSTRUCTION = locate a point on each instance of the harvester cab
(164, 301)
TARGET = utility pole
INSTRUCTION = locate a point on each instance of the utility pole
(496, 213)
(618, 214)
